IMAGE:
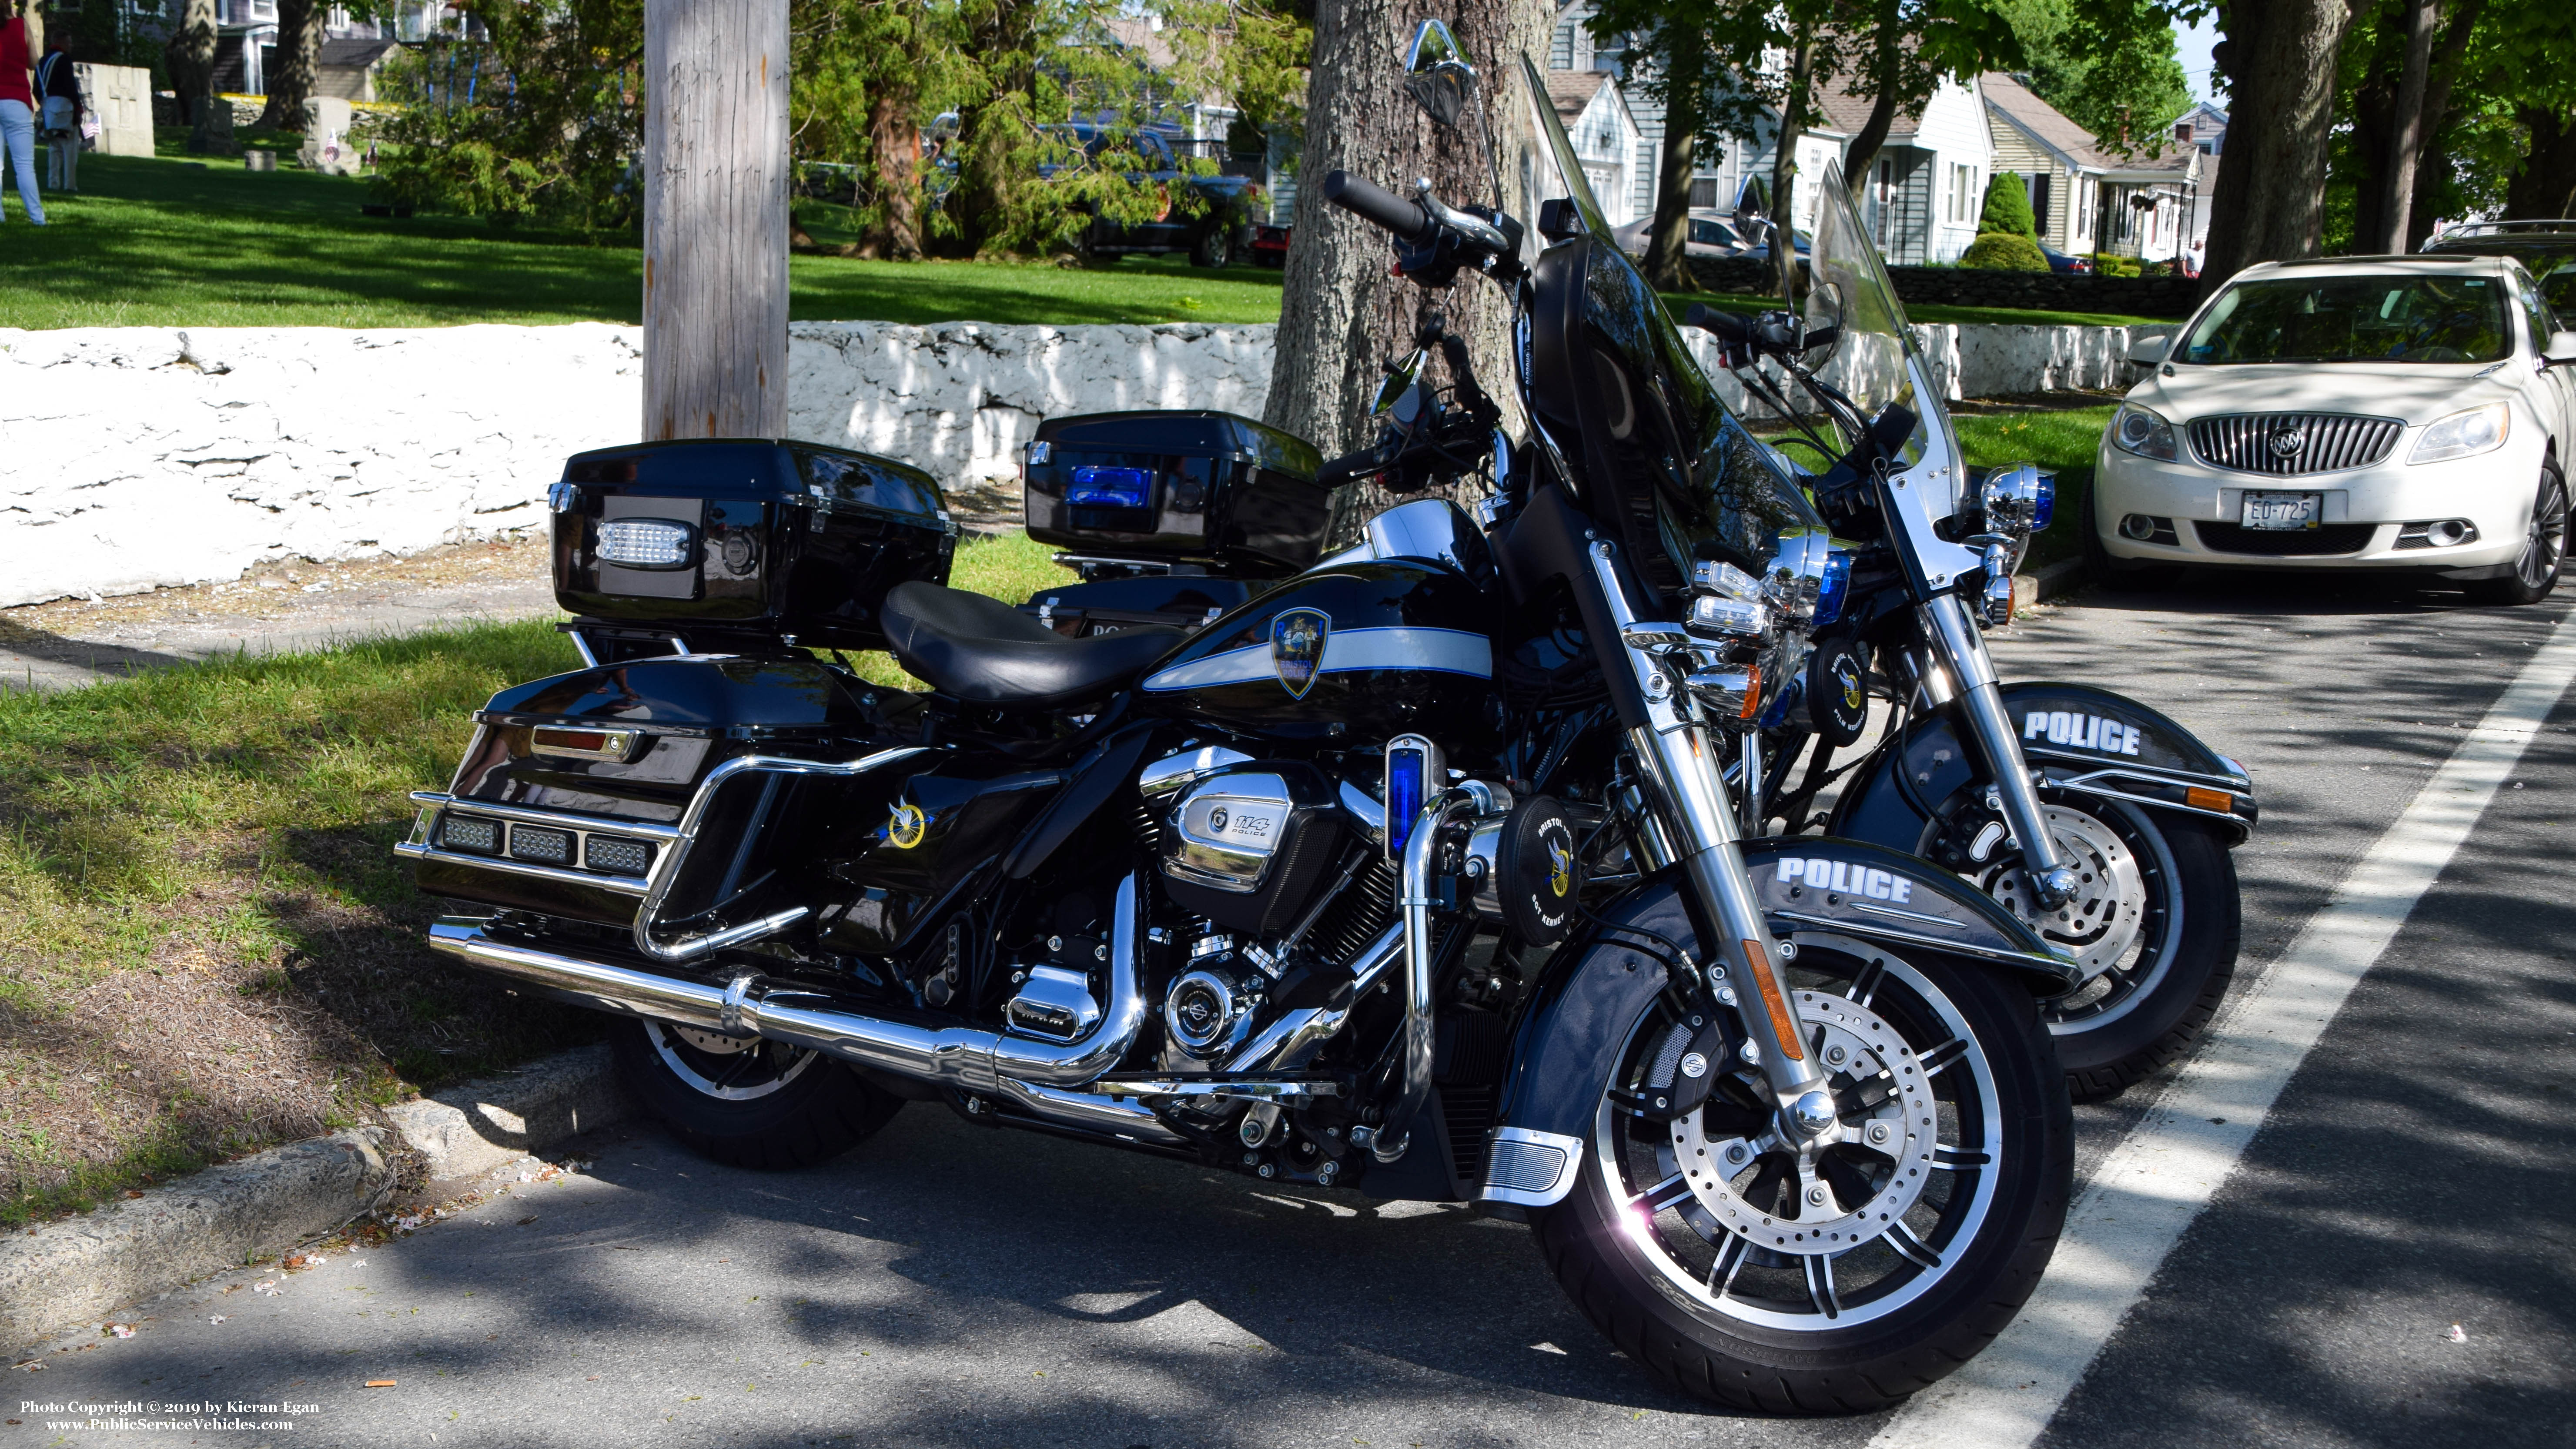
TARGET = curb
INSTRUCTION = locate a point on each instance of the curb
(2053, 582)
(75, 1272)
(473, 1128)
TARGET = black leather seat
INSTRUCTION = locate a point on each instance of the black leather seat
(983, 651)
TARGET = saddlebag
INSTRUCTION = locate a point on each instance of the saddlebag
(572, 787)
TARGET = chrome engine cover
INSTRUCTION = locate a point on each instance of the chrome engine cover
(1227, 829)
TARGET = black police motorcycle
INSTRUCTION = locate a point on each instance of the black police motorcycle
(1289, 892)
(2137, 817)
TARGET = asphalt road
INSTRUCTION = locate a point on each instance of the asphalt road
(949, 1285)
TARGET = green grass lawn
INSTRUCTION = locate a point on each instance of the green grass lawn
(201, 858)
(1680, 304)
(170, 242)
(2060, 442)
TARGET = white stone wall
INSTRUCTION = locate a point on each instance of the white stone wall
(960, 398)
(140, 457)
(143, 457)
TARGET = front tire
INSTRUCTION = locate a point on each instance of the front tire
(1214, 247)
(2157, 917)
(2544, 550)
(757, 1104)
(1843, 1278)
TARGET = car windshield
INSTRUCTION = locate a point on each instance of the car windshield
(2354, 319)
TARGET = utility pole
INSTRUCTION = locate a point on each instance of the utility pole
(715, 219)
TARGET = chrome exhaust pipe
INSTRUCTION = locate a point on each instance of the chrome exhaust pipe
(962, 1057)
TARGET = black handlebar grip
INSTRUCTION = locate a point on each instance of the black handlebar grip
(1371, 202)
(1733, 327)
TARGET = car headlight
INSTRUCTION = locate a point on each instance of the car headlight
(2463, 435)
(2136, 430)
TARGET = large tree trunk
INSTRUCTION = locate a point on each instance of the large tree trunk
(2546, 186)
(894, 151)
(2435, 167)
(2374, 126)
(299, 61)
(1340, 313)
(2406, 139)
(192, 67)
(1862, 153)
(1784, 163)
(1667, 265)
(2280, 58)
(715, 219)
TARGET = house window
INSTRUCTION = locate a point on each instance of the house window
(1963, 195)
(2039, 187)
(1703, 192)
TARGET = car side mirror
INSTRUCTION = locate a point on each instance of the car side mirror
(2149, 350)
(2561, 351)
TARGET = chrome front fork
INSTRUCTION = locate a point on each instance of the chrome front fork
(1972, 670)
(1686, 775)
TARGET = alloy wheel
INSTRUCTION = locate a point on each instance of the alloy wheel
(728, 1068)
(1751, 1222)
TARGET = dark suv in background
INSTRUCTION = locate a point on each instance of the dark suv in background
(2547, 249)
(1215, 233)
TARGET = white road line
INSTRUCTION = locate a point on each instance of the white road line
(2170, 1165)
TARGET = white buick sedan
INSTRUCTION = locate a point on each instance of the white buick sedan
(2351, 413)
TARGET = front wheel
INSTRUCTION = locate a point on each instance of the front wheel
(1213, 248)
(2155, 922)
(1746, 1263)
(744, 1101)
(2544, 550)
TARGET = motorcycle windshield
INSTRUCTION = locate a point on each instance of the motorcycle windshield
(1661, 447)
(1872, 358)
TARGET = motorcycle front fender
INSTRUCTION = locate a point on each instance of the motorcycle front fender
(1591, 994)
(2078, 740)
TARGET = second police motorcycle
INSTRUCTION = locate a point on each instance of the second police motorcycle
(1432, 870)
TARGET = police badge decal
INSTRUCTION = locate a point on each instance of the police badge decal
(1297, 648)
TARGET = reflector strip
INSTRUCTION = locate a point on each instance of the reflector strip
(588, 744)
(2200, 799)
(1783, 1024)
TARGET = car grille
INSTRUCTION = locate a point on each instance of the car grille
(2328, 538)
(2324, 442)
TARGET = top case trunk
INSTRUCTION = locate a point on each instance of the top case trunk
(745, 536)
(1202, 488)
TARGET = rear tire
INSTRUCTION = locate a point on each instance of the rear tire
(1878, 1321)
(760, 1105)
(1214, 247)
(2544, 550)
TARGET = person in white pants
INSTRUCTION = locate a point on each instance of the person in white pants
(18, 117)
(58, 115)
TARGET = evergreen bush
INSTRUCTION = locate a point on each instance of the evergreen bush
(2008, 206)
(2002, 251)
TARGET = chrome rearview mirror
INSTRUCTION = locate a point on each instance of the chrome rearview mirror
(1399, 398)
(1437, 75)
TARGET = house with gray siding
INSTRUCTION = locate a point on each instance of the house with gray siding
(2085, 197)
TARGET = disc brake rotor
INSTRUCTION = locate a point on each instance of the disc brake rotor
(2101, 920)
(1841, 1189)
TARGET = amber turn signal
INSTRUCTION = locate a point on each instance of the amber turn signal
(2200, 799)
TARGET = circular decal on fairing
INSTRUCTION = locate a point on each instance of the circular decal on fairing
(904, 829)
